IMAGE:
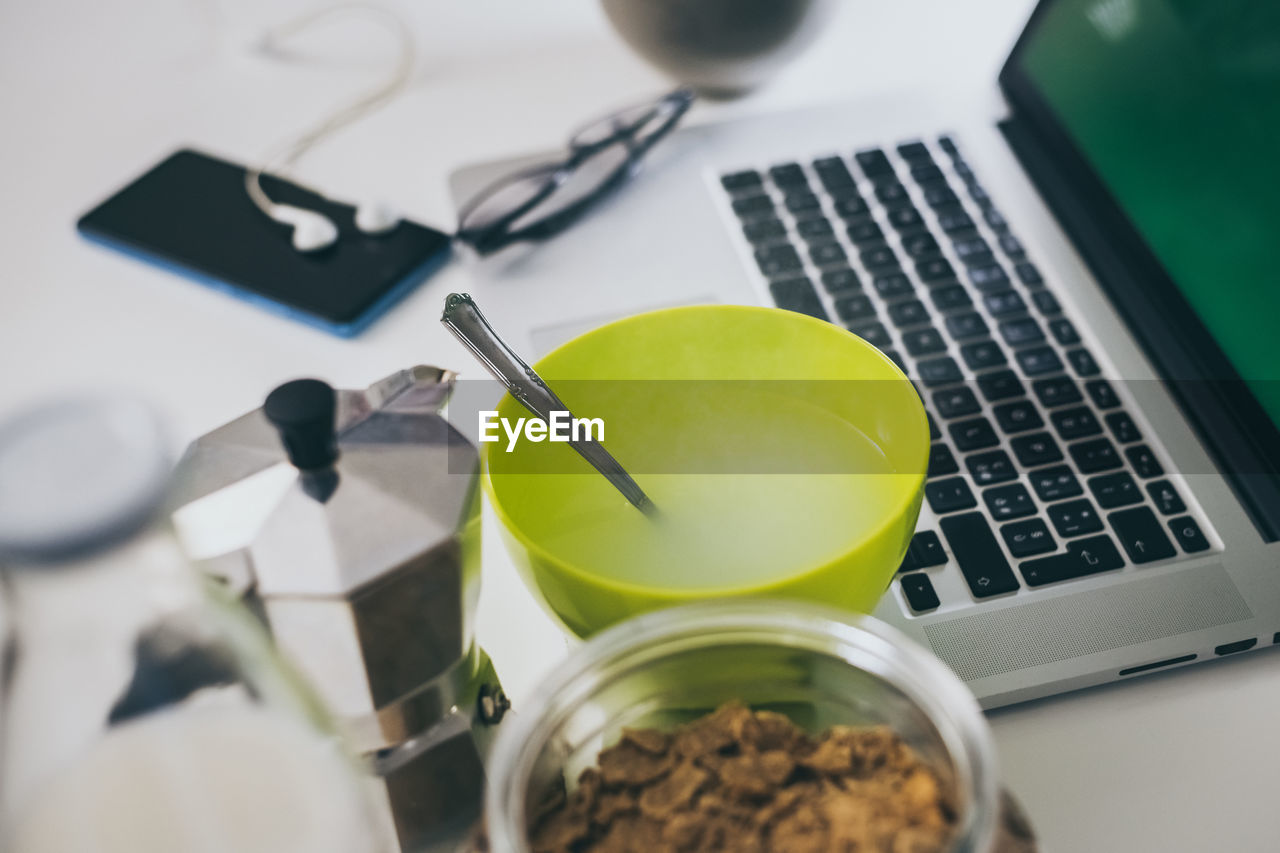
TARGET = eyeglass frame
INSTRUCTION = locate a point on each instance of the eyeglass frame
(497, 235)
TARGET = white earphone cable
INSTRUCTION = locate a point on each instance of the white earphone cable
(289, 153)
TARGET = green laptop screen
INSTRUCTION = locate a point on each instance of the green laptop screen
(1176, 106)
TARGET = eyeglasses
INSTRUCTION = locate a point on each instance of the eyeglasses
(542, 201)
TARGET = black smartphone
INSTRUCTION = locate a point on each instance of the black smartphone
(191, 213)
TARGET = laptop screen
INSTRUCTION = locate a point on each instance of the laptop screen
(1175, 104)
(1151, 129)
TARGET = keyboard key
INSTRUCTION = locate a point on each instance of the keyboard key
(934, 435)
(973, 246)
(892, 355)
(947, 144)
(749, 179)
(892, 286)
(892, 193)
(941, 461)
(924, 173)
(991, 277)
(765, 230)
(1056, 391)
(1036, 449)
(853, 307)
(918, 591)
(914, 152)
(1144, 462)
(969, 325)
(776, 260)
(1020, 332)
(980, 355)
(1028, 538)
(978, 553)
(850, 206)
(926, 549)
(1046, 303)
(956, 402)
(991, 467)
(1063, 332)
(923, 341)
(841, 281)
(827, 254)
(994, 219)
(753, 206)
(949, 495)
(1038, 360)
(1187, 534)
(878, 257)
(905, 218)
(798, 202)
(950, 297)
(873, 333)
(1084, 557)
(838, 191)
(935, 269)
(864, 232)
(873, 163)
(920, 245)
(1141, 535)
(1009, 502)
(1103, 396)
(939, 371)
(797, 294)
(833, 173)
(1074, 518)
(1166, 497)
(815, 230)
(1082, 362)
(908, 313)
(1075, 423)
(953, 220)
(1003, 303)
(1097, 454)
(788, 175)
(1123, 427)
(1027, 273)
(1056, 483)
(973, 434)
(1018, 416)
(1012, 247)
(937, 194)
(1113, 490)
(1000, 385)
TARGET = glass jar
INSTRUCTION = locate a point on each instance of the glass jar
(819, 666)
(143, 711)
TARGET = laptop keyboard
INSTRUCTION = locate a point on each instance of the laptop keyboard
(1037, 473)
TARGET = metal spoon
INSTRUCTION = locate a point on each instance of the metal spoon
(463, 318)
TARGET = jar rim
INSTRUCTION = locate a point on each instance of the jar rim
(862, 641)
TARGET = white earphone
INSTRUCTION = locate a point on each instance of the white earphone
(312, 230)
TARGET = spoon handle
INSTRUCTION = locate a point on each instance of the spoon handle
(462, 317)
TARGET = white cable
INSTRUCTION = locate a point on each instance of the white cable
(290, 152)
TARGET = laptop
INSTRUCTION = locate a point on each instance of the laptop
(1077, 273)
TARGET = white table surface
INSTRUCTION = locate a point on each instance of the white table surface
(93, 93)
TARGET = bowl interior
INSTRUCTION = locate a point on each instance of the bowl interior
(789, 439)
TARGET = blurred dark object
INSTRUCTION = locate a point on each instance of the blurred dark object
(722, 48)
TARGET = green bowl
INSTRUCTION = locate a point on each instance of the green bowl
(793, 450)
